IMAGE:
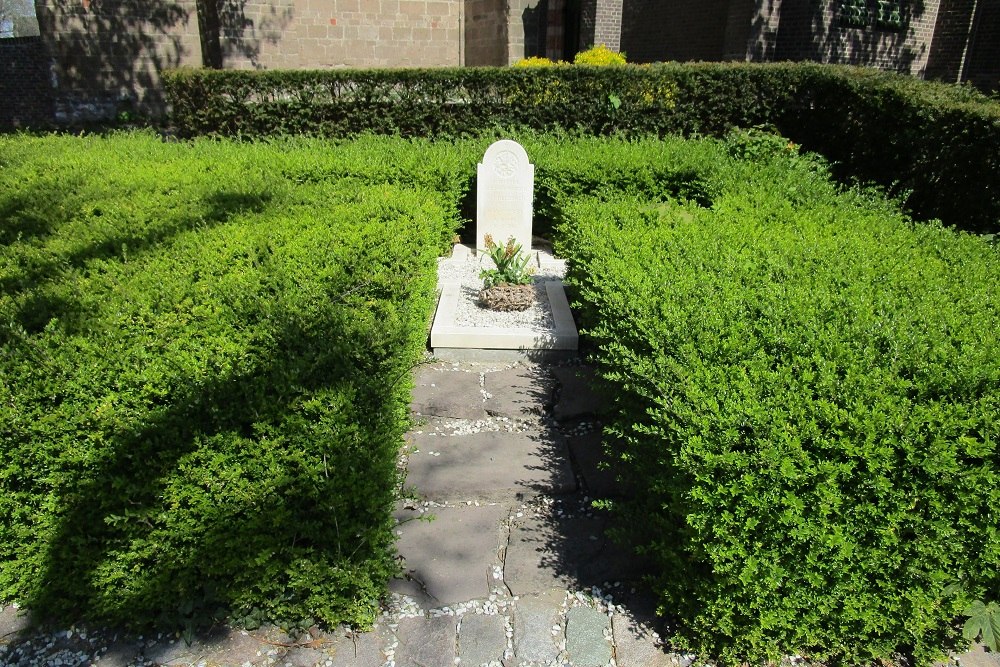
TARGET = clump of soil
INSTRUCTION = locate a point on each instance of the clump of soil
(507, 297)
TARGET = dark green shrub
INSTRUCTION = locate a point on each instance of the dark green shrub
(204, 371)
(936, 145)
(806, 400)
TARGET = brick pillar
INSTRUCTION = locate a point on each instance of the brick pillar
(554, 37)
(608, 24)
(982, 60)
(740, 37)
(951, 38)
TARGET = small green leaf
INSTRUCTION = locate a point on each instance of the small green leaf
(616, 102)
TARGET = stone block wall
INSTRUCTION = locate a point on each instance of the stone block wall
(528, 29)
(486, 32)
(107, 56)
(104, 57)
(273, 34)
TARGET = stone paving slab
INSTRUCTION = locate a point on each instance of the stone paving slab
(12, 622)
(577, 398)
(444, 390)
(519, 392)
(636, 643)
(482, 638)
(223, 647)
(450, 559)
(978, 657)
(545, 552)
(488, 466)
(588, 455)
(360, 650)
(538, 627)
(426, 642)
(586, 645)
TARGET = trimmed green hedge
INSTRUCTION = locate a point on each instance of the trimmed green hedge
(205, 354)
(205, 350)
(941, 143)
(805, 398)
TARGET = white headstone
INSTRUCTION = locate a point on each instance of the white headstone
(504, 190)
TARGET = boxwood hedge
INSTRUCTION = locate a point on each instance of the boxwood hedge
(936, 145)
(204, 368)
(805, 397)
(205, 354)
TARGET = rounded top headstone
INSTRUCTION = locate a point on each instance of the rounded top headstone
(507, 158)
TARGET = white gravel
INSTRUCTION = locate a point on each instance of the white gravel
(465, 271)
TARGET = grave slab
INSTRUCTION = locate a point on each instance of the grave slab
(482, 639)
(443, 391)
(470, 343)
(519, 392)
(538, 627)
(450, 558)
(488, 466)
(577, 398)
(426, 642)
(585, 642)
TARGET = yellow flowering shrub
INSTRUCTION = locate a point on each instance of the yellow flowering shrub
(600, 56)
(537, 61)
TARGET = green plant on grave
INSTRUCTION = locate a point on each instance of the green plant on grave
(511, 264)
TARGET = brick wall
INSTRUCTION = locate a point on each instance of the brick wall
(555, 29)
(739, 34)
(660, 30)
(96, 57)
(762, 42)
(25, 91)
(485, 32)
(813, 31)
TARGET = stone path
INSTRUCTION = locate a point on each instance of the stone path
(506, 561)
(514, 568)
